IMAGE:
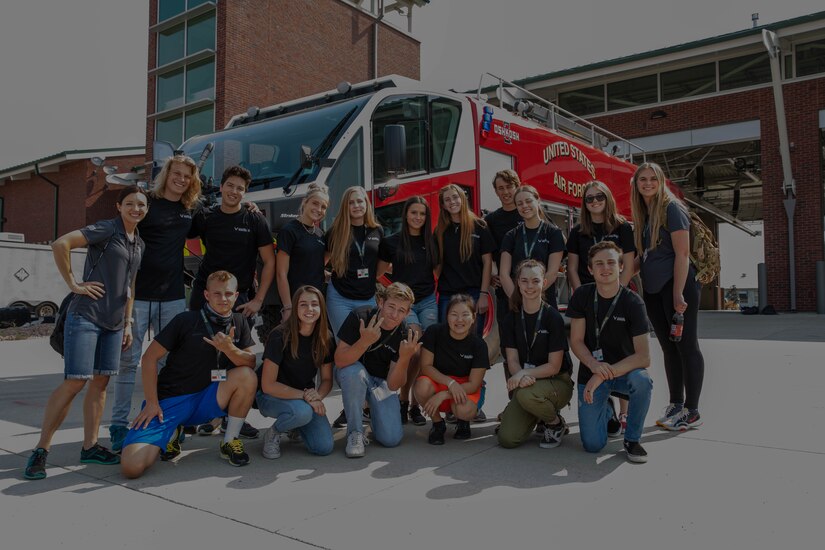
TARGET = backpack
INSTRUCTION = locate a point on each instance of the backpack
(704, 250)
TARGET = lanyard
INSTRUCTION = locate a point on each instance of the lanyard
(362, 248)
(598, 328)
(531, 343)
(212, 336)
(529, 251)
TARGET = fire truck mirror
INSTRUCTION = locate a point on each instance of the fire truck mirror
(395, 148)
(306, 156)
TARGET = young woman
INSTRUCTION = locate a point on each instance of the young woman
(352, 243)
(453, 364)
(465, 247)
(413, 258)
(295, 352)
(534, 340)
(538, 238)
(98, 323)
(662, 236)
(302, 250)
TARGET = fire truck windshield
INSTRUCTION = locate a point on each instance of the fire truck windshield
(271, 149)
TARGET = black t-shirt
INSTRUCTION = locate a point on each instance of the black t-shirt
(453, 357)
(417, 274)
(545, 240)
(378, 357)
(458, 276)
(232, 242)
(298, 373)
(163, 231)
(500, 222)
(629, 319)
(351, 286)
(190, 361)
(580, 244)
(549, 336)
(306, 250)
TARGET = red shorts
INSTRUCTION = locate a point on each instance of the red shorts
(446, 404)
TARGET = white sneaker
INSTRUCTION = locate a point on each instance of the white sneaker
(553, 435)
(356, 441)
(272, 443)
(672, 410)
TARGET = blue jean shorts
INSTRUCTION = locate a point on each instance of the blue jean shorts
(181, 410)
(423, 313)
(89, 350)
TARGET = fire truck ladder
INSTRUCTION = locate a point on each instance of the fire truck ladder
(531, 106)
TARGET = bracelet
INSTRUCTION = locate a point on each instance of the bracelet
(286, 308)
(450, 385)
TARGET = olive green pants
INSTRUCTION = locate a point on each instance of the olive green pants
(541, 401)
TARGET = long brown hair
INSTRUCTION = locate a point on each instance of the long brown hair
(320, 334)
(192, 194)
(516, 300)
(612, 218)
(426, 231)
(656, 215)
(340, 235)
(467, 223)
(534, 192)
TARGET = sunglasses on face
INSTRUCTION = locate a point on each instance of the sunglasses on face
(590, 199)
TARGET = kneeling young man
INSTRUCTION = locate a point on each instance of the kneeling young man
(198, 382)
(609, 335)
(372, 359)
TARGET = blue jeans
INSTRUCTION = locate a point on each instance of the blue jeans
(593, 417)
(338, 307)
(444, 300)
(146, 314)
(291, 414)
(89, 349)
(423, 313)
(385, 415)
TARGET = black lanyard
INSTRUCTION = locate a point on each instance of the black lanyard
(529, 251)
(596, 326)
(212, 336)
(531, 343)
(363, 247)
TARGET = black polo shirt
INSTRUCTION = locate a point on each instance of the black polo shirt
(453, 357)
(378, 357)
(461, 276)
(295, 372)
(545, 240)
(164, 231)
(416, 273)
(549, 336)
(305, 248)
(350, 285)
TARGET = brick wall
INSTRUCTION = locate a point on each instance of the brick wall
(803, 101)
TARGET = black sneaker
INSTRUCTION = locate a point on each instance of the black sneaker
(462, 430)
(98, 454)
(365, 415)
(233, 451)
(449, 418)
(247, 430)
(540, 425)
(207, 429)
(480, 417)
(173, 448)
(635, 452)
(416, 417)
(36, 466)
(436, 436)
(405, 412)
(614, 427)
(341, 421)
(190, 430)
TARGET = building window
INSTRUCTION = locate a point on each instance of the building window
(200, 34)
(199, 122)
(188, 38)
(170, 44)
(585, 101)
(170, 8)
(744, 71)
(200, 81)
(810, 58)
(632, 93)
(170, 90)
(170, 129)
(689, 82)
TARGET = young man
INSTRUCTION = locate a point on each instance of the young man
(159, 291)
(372, 359)
(609, 335)
(208, 374)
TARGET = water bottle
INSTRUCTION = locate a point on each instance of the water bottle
(677, 325)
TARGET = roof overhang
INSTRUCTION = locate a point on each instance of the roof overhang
(52, 163)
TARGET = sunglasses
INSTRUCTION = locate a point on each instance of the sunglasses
(590, 199)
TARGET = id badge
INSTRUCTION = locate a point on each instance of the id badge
(382, 392)
(598, 355)
(529, 366)
(218, 375)
(363, 273)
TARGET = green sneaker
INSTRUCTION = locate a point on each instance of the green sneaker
(233, 452)
(117, 434)
(173, 446)
(36, 466)
(98, 454)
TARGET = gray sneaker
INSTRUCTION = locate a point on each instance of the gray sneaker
(356, 441)
(272, 444)
(672, 410)
(553, 434)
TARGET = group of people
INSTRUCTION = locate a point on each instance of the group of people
(411, 348)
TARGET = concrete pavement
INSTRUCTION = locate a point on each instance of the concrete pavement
(751, 477)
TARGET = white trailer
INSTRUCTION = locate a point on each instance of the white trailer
(28, 277)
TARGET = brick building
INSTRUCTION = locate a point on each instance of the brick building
(705, 111)
(70, 180)
(210, 60)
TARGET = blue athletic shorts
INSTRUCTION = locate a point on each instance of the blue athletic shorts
(183, 410)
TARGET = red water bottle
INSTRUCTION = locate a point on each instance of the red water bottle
(677, 325)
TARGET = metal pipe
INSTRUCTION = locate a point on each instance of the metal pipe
(376, 26)
(56, 197)
(820, 287)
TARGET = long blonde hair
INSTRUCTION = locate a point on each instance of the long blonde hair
(341, 232)
(467, 223)
(612, 218)
(656, 215)
(192, 194)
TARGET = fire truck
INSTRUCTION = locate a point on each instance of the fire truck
(397, 138)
